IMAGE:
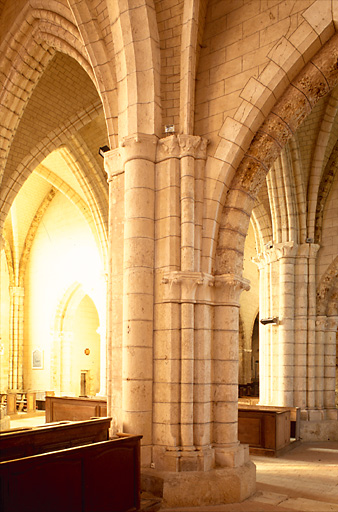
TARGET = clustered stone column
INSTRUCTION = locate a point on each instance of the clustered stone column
(179, 211)
(173, 360)
(225, 370)
(285, 388)
(15, 376)
(297, 353)
(330, 367)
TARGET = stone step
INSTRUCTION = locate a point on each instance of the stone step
(150, 503)
(285, 502)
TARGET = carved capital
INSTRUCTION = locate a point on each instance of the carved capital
(286, 250)
(321, 322)
(17, 291)
(192, 145)
(303, 251)
(194, 287)
(228, 289)
(313, 250)
(138, 146)
(178, 146)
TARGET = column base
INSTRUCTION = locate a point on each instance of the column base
(198, 488)
(184, 459)
(322, 430)
(232, 456)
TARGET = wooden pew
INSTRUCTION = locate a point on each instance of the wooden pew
(25, 442)
(266, 429)
(74, 408)
(101, 477)
(43, 469)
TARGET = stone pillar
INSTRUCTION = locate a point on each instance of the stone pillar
(264, 330)
(225, 370)
(180, 173)
(286, 256)
(330, 367)
(138, 155)
(301, 306)
(319, 362)
(311, 344)
(66, 338)
(114, 168)
(15, 377)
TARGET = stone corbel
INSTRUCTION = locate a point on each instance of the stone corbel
(183, 287)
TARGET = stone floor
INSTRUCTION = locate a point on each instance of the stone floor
(303, 480)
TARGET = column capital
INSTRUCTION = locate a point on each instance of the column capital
(285, 250)
(332, 323)
(194, 287)
(17, 291)
(137, 146)
(178, 146)
(228, 288)
(321, 323)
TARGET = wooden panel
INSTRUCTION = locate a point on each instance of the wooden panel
(249, 431)
(102, 477)
(265, 428)
(74, 408)
(32, 441)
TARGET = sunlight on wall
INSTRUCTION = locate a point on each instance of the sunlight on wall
(63, 252)
(4, 342)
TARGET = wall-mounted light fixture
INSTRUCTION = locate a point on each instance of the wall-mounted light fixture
(103, 150)
(272, 320)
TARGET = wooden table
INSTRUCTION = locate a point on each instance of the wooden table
(265, 429)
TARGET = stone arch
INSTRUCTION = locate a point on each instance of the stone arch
(318, 77)
(324, 190)
(101, 59)
(31, 234)
(25, 58)
(136, 46)
(327, 291)
(38, 154)
(60, 359)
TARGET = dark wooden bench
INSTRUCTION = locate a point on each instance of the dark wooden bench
(73, 408)
(25, 442)
(103, 476)
(266, 429)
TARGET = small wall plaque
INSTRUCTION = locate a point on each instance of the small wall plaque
(37, 359)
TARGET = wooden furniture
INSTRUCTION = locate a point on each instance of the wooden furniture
(103, 476)
(25, 442)
(74, 409)
(18, 401)
(265, 429)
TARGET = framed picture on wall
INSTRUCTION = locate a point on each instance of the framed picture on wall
(37, 359)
